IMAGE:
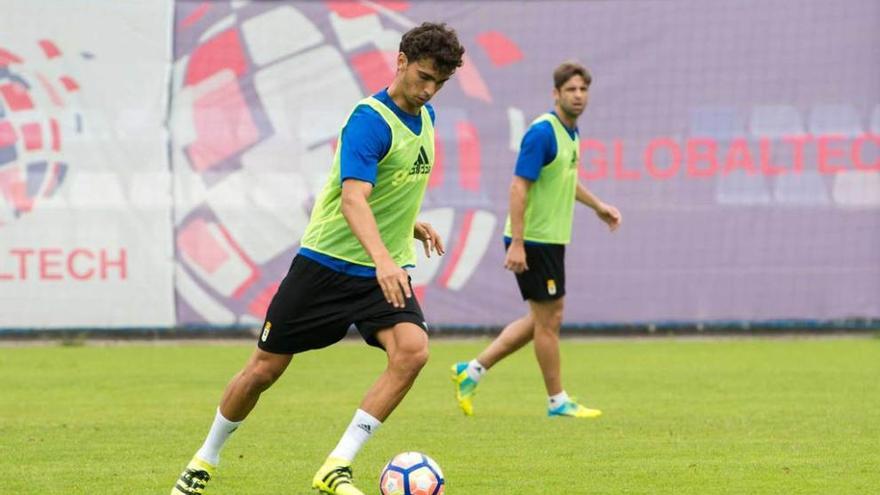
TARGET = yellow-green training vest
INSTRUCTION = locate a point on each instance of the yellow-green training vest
(550, 202)
(396, 198)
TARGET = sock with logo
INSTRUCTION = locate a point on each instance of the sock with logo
(475, 370)
(360, 430)
(558, 399)
(220, 431)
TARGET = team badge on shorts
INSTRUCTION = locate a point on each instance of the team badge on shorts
(266, 328)
(551, 287)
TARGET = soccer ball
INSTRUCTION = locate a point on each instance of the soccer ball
(412, 473)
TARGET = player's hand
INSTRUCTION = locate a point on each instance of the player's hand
(431, 240)
(515, 260)
(394, 282)
(610, 215)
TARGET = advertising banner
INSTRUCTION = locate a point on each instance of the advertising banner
(85, 188)
(741, 143)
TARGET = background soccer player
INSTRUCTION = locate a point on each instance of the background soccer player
(542, 197)
(351, 265)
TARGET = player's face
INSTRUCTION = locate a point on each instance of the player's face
(420, 80)
(572, 97)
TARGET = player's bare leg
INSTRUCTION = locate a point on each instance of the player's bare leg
(547, 316)
(466, 375)
(406, 345)
(548, 320)
(239, 398)
(243, 391)
(514, 336)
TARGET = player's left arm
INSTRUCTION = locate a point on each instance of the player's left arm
(431, 240)
(607, 213)
(423, 231)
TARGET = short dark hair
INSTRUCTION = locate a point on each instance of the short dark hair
(434, 41)
(569, 69)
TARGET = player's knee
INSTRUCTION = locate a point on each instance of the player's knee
(547, 314)
(420, 358)
(549, 322)
(410, 361)
(556, 319)
(553, 317)
(417, 358)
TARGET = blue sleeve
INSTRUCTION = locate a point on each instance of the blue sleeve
(431, 112)
(366, 139)
(538, 148)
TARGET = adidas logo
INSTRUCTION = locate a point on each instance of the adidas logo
(366, 428)
(422, 165)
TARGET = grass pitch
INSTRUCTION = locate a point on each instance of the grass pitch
(755, 416)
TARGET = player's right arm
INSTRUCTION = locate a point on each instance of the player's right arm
(365, 140)
(538, 148)
(515, 260)
(392, 278)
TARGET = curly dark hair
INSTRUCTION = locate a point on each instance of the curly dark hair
(433, 41)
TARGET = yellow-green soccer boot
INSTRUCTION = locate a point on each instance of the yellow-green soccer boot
(194, 478)
(465, 388)
(571, 409)
(335, 478)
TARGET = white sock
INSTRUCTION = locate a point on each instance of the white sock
(558, 399)
(475, 370)
(360, 430)
(220, 431)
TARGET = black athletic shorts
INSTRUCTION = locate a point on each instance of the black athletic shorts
(315, 306)
(545, 278)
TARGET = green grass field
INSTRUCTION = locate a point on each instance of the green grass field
(755, 416)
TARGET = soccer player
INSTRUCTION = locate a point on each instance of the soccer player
(350, 268)
(542, 197)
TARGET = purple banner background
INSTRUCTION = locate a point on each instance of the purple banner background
(739, 140)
